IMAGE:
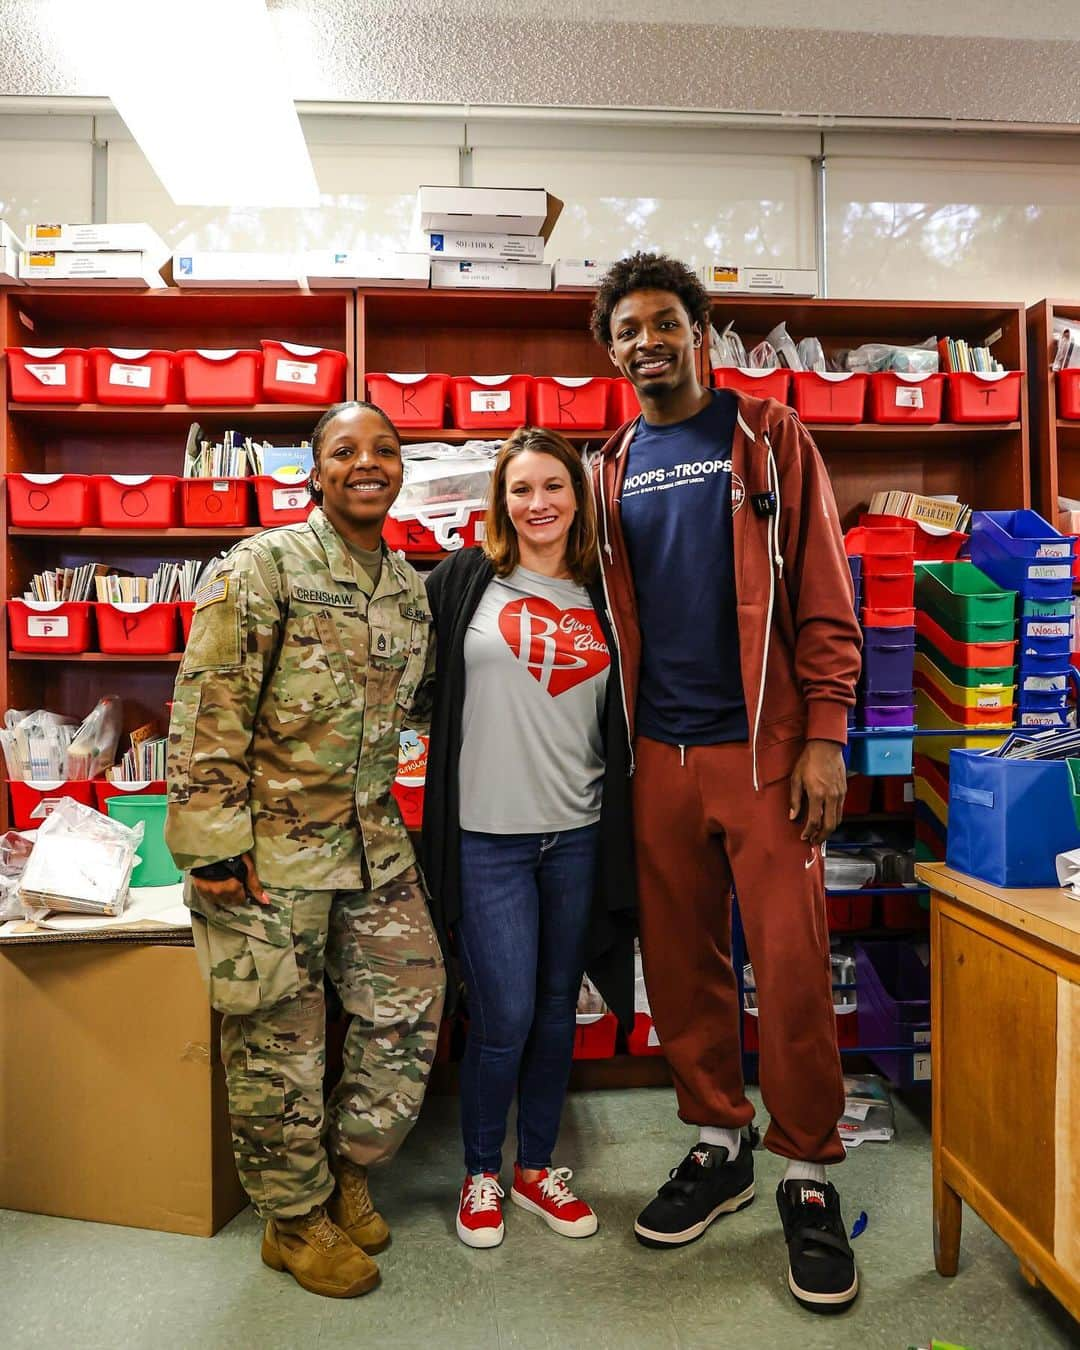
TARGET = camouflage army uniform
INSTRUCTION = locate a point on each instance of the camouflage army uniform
(296, 681)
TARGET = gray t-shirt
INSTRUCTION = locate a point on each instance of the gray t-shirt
(536, 670)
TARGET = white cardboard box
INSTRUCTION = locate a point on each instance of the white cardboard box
(120, 269)
(487, 247)
(480, 210)
(9, 266)
(491, 276)
(237, 269)
(132, 238)
(727, 279)
(326, 268)
(578, 274)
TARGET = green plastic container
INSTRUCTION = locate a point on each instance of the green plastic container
(970, 677)
(957, 593)
(1074, 784)
(976, 630)
(157, 867)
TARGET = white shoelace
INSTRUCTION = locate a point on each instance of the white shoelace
(483, 1195)
(554, 1187)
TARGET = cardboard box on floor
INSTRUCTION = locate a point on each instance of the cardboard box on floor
(114, 1102)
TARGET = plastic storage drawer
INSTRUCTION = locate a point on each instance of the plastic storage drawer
(642, 1038)
(138, 501)
(1019, 534)
(61, 627)
(984, 396)
(229, 377)
(595, 1035)
(889, 715)
(891, 617)
(32, 802)
(52, 501)
(890, 698)
(848, 913)
(104, 789)
(209, 502)
(759, 383)
(888, 581)
(888, 658)
(989, 695)
(572, 403)
(435, 530)
(186, 610)
(862, 540)
(894, 1009)
(896, 396)
(281, 500)
(49, 375)
(882, 753)
(137, 629)
(293, 373)
(490, 401)
(937, 713)
(1068, 394)
(411, 400)
(930, 637)
(825, 396)
(134, 375)
(624, 402)
(963, 594)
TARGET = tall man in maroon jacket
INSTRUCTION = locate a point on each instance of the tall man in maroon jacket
(731, 600)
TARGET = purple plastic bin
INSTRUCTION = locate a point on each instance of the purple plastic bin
(890, 698)
(888, 659)
(875, 716)
(893, 1005)
(854, 563)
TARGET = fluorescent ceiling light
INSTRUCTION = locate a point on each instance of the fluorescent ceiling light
(203, 89)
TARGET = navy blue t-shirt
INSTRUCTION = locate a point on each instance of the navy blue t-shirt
(678, 500)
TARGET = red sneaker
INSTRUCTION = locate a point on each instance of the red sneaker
(551, 1198)
(479, 1219)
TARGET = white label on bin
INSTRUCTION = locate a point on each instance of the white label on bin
(1042, 719)
(1046, 684)
(296, 372)
(480, 531)
(51, 374)
(131, 377)
(289, 499)
(221, 487)
(907, 397)
(988, 701)
(1062, 550)
(489, 400)
(1048, 572)
(47, 625)
(909, 791)
(1050, 630)
(920, 1068)
(652, 1038)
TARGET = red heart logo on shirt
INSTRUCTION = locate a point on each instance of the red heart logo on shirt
(560, 648)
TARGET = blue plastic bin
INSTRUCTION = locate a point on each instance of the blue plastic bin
(1018, 534)
(883, 753)
(888, 659)
(1047, 609)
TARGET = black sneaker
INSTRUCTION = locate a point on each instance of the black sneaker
(821, 1267)
(703, 1186)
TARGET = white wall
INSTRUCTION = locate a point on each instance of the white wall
(45, 170)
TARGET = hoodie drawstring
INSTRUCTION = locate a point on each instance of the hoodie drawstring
(776, 572)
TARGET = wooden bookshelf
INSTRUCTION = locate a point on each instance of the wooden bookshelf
(1055, 441)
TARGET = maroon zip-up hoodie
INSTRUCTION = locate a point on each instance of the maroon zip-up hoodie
(799, 639)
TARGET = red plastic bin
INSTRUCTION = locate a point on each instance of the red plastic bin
(624, 402)
(888, 580)
(572, 402)
(134, 375)
(760, 383)
(962, 653)
(847, 1027)
(104, 789)
(927, 547)
(594, 1035)
(229, 377)
(282, 500)
(867, 539)
(48, 375)
(32, 802)
(57, 501)
(984, 396)
(898, 396)
(889, 617)
(899, 796)
(296, 374)
(138, 501)
(452, 527)
(411, 400)
(1068, 394)
(829, 396)
(58, 626)
(847, 913)
(206, 502)
(186, 610)
(490, 401)
(903, 911)
(642, 1039)
(137, 629)
(859, 796)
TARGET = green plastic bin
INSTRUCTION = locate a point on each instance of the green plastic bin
(1074, 785)
(157, 867)
(970, 677)
(957, 593)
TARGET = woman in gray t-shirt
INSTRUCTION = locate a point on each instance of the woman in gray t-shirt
(531, 764)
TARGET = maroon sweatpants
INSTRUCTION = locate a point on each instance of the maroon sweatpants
(699, 826)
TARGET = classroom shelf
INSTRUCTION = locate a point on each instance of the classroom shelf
(100, 658)
(95, 416)
(138, 536)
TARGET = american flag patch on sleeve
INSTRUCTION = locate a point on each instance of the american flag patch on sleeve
(211, 593)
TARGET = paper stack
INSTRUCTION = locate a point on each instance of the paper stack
(488, 238)
(102, 255)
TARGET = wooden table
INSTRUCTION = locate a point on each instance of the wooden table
(1005, 1043)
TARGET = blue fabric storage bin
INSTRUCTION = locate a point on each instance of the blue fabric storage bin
(1009, 818)
(883, 753)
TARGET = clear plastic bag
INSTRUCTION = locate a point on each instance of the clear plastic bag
(1066, 344)
(762, 357)
(726, 348)
(81, 863)
(93, 748)
(874, 356)
(812, 354)
(786, 351)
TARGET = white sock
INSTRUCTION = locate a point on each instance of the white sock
(729, 1139)
(805, 1171)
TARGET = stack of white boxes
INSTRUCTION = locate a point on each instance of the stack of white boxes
(488, 238)
(10, 248)
(120, 255)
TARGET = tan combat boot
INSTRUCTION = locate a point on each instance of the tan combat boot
(351, 1209)
(318, 1256)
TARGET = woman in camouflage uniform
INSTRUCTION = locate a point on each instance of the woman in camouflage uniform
(309, 650)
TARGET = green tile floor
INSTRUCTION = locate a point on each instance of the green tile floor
(76, 1285)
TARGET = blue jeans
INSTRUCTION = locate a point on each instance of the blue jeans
(521, 938)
